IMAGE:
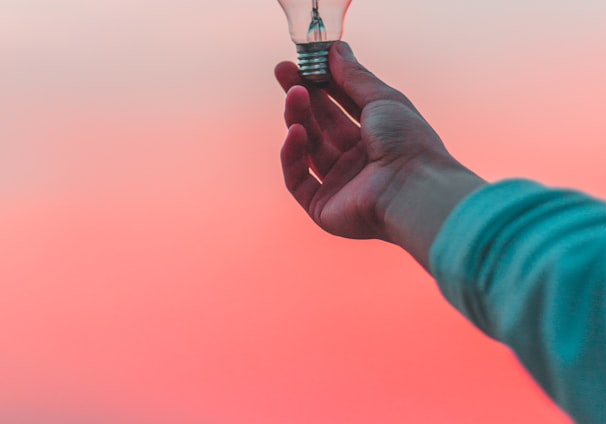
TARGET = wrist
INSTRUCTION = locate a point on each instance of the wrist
(421, 197)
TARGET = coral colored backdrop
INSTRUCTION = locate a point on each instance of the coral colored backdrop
(153, 269)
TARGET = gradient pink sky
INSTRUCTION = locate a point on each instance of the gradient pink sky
(153, 269)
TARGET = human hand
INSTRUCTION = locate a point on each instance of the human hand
(369, 164)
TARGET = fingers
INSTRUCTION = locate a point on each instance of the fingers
(323, 154)
(339, 128)
(353, 86)
(297, 177)
(311, 194)
(287, 74)
(297, 110)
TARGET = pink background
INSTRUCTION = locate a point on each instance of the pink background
(153, 269)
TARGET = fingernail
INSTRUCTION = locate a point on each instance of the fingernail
(345, 51)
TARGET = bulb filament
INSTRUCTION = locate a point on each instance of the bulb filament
(317, 30)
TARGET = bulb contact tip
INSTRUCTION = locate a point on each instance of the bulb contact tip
(313, 61)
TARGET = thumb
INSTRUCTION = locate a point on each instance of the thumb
(357, 82)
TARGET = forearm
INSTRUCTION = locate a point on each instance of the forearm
(421, 199)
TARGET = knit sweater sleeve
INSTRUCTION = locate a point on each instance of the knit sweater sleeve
(527, 265)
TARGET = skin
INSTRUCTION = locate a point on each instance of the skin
(379, 171)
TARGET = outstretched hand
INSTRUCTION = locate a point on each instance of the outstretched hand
(354, 148)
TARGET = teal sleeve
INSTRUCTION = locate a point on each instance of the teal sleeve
(527, 265)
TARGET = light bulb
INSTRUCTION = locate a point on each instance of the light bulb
(314, 25)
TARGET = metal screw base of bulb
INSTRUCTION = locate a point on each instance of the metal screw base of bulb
(313, 61)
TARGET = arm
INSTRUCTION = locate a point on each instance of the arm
(523, 263)
(526, 265)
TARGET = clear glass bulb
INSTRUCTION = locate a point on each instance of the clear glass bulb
(314, 25)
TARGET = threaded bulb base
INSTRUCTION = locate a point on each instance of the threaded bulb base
(313, 61)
